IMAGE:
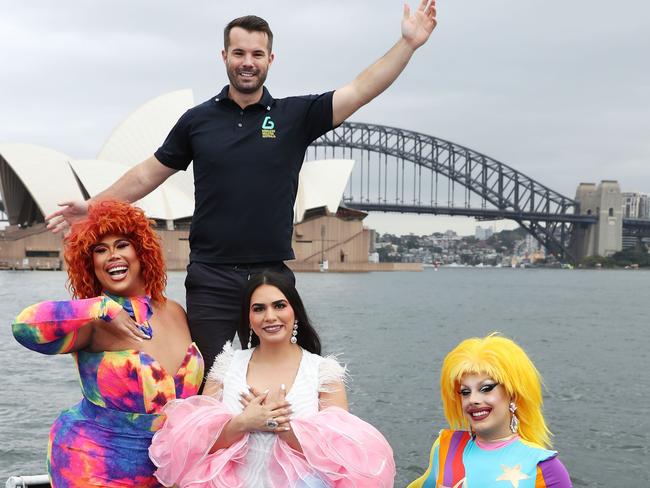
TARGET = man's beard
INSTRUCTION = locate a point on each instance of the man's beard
(247, 89)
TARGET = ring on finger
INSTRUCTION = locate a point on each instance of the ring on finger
(272, 423)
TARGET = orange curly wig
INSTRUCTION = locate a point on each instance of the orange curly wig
(120, 218)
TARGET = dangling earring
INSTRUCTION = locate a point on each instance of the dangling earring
(514, 421)
(294, 333)
(250, 338)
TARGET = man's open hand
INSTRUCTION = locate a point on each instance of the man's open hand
(72, 211)
(417, 28)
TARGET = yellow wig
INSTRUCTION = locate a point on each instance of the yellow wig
(506, 363)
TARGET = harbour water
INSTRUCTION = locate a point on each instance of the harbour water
(587, 332)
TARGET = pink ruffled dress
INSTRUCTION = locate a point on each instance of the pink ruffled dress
(339, 449)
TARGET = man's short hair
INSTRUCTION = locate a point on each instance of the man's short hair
(251, 23)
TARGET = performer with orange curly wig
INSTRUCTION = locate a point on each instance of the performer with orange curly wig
(492, 398)
(131, 345)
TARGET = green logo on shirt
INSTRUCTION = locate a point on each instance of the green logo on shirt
(268, 123)
(268, 128)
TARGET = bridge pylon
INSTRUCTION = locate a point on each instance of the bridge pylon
(603, 238)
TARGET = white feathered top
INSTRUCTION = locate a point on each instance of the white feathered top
(316, 374)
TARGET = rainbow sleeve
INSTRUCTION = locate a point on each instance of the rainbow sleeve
(51, 327)
(551, 473)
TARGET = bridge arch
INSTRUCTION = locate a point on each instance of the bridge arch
(398, 170)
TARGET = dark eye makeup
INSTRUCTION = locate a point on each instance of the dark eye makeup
(488, 387)
(100, 248)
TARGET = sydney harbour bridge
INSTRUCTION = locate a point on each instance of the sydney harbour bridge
(398, 170)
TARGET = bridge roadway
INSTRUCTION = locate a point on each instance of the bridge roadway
(636, 227)
(479, 213)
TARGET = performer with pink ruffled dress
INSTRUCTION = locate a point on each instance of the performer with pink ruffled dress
(273, 415)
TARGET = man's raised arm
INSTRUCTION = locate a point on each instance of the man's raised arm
(135, 184)
(416, 29)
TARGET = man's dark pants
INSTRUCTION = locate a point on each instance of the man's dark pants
(214, 296)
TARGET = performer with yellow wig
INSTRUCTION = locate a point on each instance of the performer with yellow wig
(492, 398)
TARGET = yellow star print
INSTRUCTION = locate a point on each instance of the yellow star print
(513, 475)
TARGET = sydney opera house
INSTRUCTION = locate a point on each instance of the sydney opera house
(34, 179)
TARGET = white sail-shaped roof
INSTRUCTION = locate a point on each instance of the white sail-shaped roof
(166, 203)
(144, 131)
(34, 179)
(322, 184)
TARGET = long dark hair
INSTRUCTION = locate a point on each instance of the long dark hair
(307, 337)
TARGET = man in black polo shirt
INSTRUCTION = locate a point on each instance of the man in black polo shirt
(247, 149)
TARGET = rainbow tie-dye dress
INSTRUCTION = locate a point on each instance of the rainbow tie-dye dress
(104, 439)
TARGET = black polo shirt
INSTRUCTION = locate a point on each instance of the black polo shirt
(246, 165)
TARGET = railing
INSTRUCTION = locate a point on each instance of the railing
(39, 481)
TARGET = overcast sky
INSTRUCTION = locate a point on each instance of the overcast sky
(558, 90)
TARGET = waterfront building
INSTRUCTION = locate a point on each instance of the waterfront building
(483, 234)
(636, 205)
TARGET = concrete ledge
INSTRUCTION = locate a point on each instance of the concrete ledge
(310, 267)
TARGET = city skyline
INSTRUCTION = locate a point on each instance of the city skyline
(560, 96)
